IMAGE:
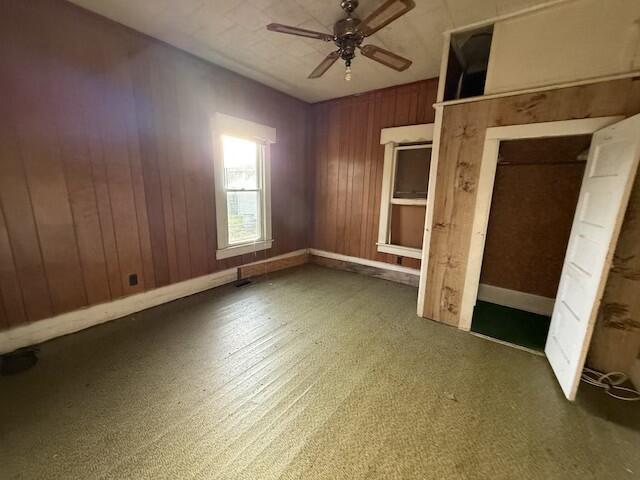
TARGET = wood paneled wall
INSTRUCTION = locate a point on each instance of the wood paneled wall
(347, 159)
(106, 161)
(463, 134)
(534, 200)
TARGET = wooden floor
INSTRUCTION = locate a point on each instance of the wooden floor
(306, 374)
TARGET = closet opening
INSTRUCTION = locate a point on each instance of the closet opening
(536, 189)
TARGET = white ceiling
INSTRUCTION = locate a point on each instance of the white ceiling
(232, 33)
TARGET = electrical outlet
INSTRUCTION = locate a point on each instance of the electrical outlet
(133, 279)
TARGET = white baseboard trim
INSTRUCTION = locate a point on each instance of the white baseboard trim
(514, 299)
(71, 322)
(364, 261)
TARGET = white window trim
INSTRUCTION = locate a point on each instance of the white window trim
(237, 127)
(393, 140)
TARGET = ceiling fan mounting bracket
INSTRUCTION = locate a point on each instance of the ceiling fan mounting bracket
(349, 5)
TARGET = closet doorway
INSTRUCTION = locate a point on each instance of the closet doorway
(609, 173)
(535, 192)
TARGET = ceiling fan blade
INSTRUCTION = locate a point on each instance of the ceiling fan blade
(386, 57)
(325, 65)
(301, 32)
(384, 15)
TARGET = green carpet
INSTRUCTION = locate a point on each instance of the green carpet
(511, 325)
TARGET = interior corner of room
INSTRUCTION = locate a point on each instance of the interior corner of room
(303, 225)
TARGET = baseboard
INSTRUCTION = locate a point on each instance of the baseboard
(372, 268)
(514, 299)
(71, 322)
(281, 262)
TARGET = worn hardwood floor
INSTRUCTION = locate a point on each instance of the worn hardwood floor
(309, 373)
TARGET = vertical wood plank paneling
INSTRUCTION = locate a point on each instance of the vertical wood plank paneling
(358, 161)
(366, 210)
(21, 229)
(118, 149)
(21, 243)
(12, 305)
(333, 159)
(137, 180)
(75, 151)
(148, 120)
(348, 160)
(36, 118)
(106, 160)
(190, 122)
(377, 161)
(90, 96)
(4, 320)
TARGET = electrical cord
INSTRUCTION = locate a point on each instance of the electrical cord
(611, 383)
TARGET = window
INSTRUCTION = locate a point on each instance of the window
(405, 184)
(242, 184)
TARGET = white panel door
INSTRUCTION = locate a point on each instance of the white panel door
(609, 175)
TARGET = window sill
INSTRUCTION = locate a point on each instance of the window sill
(243, 249)
(409, 201)
(400, 251)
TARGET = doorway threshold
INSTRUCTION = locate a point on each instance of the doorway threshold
(508, 344)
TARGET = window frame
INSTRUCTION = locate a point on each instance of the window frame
(264, 136)
(394, 140)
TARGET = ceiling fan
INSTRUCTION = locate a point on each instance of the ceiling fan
(350, 32)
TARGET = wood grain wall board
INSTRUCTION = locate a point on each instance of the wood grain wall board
(616, 338)
(171, 174)
(114, 175)
(529, 225)
(375, 182)
(34, 110)
(75, 152)
(117, 138)
(453, 209)
(148, 107)
(4, 320)
(190, 123)
(139, 190)
(348, 164)
(12, 303)
(544, 150)
(89, 96)
(367, 187)
(532, 209)
(207, 177)
(463, 134)
(21, 256)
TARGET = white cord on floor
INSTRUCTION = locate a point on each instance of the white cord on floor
(611, 383)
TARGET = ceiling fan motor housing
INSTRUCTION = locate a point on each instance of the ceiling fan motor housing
(348, 37)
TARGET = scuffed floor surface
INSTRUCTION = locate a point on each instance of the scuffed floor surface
(306, 374)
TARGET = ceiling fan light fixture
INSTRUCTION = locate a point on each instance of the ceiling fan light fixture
(347, 73)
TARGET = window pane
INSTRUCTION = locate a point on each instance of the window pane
(240, 163)
(243, 214)
(407, 225)
(412, 173)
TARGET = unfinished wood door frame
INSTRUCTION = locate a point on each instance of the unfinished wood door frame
(486, 181)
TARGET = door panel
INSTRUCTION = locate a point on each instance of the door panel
(609, 174)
